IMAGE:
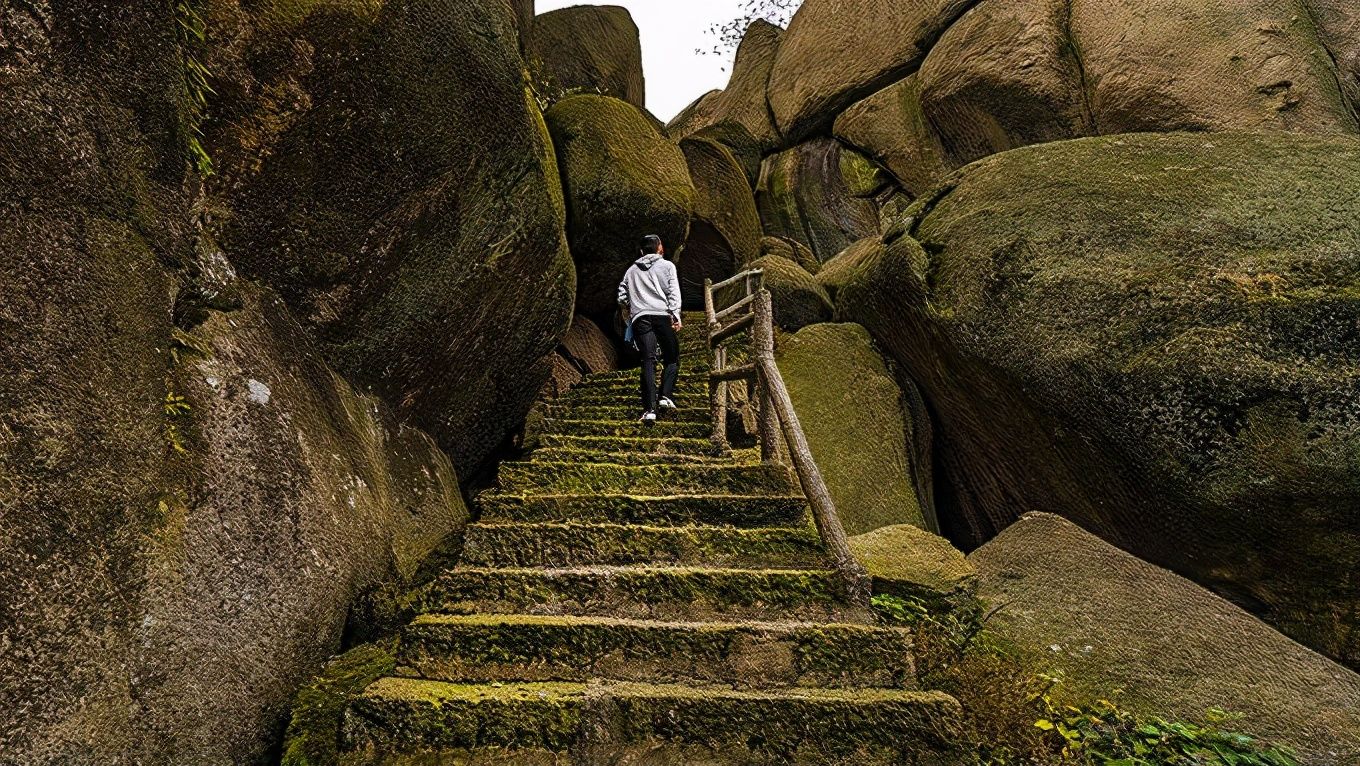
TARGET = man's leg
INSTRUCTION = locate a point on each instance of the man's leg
(645, 334)
(670, 355)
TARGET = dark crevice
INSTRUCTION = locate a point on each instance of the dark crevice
(1083, 81)
(1335, 62)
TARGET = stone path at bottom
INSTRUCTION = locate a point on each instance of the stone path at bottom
(631, 596)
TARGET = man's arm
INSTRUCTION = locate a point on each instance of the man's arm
(673, 298)
(623, 292)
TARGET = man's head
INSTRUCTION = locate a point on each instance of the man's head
(651, 245)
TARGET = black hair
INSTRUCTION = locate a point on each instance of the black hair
(650, 245)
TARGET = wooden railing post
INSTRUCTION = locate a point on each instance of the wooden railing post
(809, 476)
(717, 389)
(763, 348)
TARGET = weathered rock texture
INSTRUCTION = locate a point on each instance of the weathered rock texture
(837, 52)
(412, 213)
(1107, 620)
(623, 180)
(798, 300)
(187, 513)
(910, 563)
(1011, 73)
(587, 49)
(790, 250)
(860, 432)
(744, 101)
(725, 232)
(804, 196)
(1155, 336)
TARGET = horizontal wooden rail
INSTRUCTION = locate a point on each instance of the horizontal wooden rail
(736, 328)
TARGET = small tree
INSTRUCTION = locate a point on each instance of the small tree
(727, 35)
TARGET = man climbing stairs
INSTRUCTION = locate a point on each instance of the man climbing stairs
(632, 596)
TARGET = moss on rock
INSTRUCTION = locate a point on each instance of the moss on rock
(1172, 314)
(725, 233)
(851, 409)
(313, 737)
(587, 49)
(803, 195)
(911, 563)
(623, 179)
(798, 300)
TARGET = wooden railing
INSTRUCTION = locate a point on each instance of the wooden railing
(752, 312)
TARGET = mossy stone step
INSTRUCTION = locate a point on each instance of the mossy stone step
(648, 445)
(580, 478)
(406, 721)
(479, 648)
(724, 510)
(628, 398)
(685, 593)
(558, 455)
(625, 412)
(632, 378)
(520, 544)
(661, 428)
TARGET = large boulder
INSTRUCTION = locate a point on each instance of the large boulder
(1154, 335)
(725, 232)
(789, 250)
(804, 196)
(908, 562)
(837, 52)
(798, 300)
(744, 101)
(587, 49)
(588, 348)
(841, 270)
(623, 180)
(1012, 73)
(861, 435)
(890, 128)
(1255, 65)
(414, 211)
(1107, 621)
(190, 512)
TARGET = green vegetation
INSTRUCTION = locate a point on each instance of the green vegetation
(314, 731)
(193, 36)
(176, 409)
(1022, 717)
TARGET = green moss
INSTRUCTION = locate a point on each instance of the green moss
(850, 407)
(649, 445)
(577, 544)
(907, 562)
(313, 736)
(581, 478)
(798, 299)
(735, 510)
(662, 428)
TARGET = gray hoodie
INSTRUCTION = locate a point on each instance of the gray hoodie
(651, 286)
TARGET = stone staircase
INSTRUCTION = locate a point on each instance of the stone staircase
(630, 596)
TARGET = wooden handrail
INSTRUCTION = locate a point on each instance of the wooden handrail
(776, 415)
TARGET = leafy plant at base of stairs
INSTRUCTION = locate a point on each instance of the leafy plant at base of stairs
(1022, 717)
(1103, 734)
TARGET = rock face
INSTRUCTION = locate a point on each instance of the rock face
(789, 250)
(415, 211)
(587, 49)
(187, 513)
(861, 435)
(744, 101)
(1011, 73)
(623, 180)
(725, 232)
(1172, 314)
(798, 300)
(1111, 621)
(837, 52)
(803, 195)
(910, 563)
(841, 270)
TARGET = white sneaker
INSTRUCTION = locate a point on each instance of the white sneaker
(647, 418)
(666, 403)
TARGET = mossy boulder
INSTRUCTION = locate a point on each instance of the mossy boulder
(745, 147)
(842, 269)
(908, 562)
(725, 232)
(803, 195)
(743, 101)
(789, 250)
(836, 52)
(623, 180)
(798, 300)
(587, 347)
(318, 711)
(861, 435)
(1172, 314)
(890, 128)
(1107, 621)
(419, 199)
(587, 49)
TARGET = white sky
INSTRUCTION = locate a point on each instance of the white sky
(671, 30)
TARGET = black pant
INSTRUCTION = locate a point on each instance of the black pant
(656, 339)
